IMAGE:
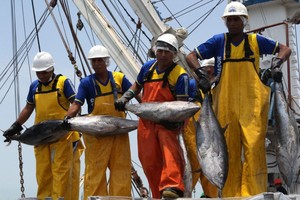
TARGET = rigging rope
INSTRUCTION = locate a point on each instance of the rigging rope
(77, 71)
(21, 55)
(86, 32)
(131, 19)
(16, 90)
(78, 47)
(25, 36)
(122, 31)
(188, 10)
(138, 27)
(34, 17)
(88, 16)
(264, 19)
(205, 16)
(171, 13)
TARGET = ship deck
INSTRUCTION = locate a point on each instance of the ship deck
(262, 196)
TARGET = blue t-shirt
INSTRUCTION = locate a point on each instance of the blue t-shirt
(68, 90)
(192, 88)
(215, 46)
(86, 89)
(180, 83)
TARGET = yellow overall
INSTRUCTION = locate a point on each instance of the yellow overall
(78, 148)
(189, 137)
(53, 161)
(241, 101)
(112, 152)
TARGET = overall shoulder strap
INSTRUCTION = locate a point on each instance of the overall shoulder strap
(166, 74)
(113, 86)
(227, 46)
(248, 51)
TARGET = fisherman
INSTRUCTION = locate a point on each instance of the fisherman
(240, 99)
(100, 90)
(50, 96)
(279, 187)
(189, 134)
(158, 147)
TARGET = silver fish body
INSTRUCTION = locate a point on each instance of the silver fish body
(102, 125)
(287, 135)
(45, 132)
(173, 111)
(187, 177)
(211, 146)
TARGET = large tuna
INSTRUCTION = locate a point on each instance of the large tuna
(172, 111)
(45, 132)
(287, 136)
(211, 146)
(187, 177)
(102, 125)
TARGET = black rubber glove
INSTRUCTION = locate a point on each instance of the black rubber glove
(204, 83)
(121, 102)
(277, 76)
(265, 76)
(66, 123)
(12, 130)
(171, 125)
(275, 69)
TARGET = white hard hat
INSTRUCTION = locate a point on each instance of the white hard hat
(208, 62)
(98, 51)
(235, 8)
(42, 61)
(167, 38)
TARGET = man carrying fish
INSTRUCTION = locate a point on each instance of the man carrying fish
(100, 90)
(240, 99)
(50, 97)
(158, 147)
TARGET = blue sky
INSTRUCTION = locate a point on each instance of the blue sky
(51, 42)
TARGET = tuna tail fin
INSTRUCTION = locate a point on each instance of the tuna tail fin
(220, 193)
(8, 141)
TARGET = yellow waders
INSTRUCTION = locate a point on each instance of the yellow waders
(78, 149)
(241, 101)
(53, 161)
(112, 152)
